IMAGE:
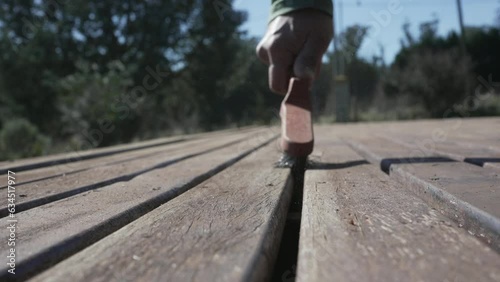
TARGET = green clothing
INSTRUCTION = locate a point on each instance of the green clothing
(280, 7)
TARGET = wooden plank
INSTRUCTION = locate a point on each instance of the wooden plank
(75, 156)
(465, 152)
(464, 192)
(226, 229)
(493, 145)
(38, 193)
(464, 130)
(52, 232)
(386, 153)
(473, 132)
(79, 166)
(60, 170)
(360, 225)
(475, 128)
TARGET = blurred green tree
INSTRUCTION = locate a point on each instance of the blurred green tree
(28, 48)
(483, 45)
(97, 107)
(362, 74)
(19, 139)
(58, 65)
(430, 70)
(212, 60)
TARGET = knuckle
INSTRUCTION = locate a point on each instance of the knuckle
(258, 49)
(261, 52)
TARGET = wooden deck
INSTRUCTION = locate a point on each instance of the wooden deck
(394, 201)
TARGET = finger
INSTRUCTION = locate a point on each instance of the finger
(280, 70)
(262, 52)
(264, 44)
(308, 61)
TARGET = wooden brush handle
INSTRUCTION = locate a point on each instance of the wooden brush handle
(297, 137)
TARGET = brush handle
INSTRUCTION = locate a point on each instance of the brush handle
(297, 137)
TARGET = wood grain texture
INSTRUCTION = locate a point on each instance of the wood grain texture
(360, 225)
(64, 169)
(297, 137)
(53, 189)
(464, 192)
(476, 132)
(54, 231)
(476, 154)
(225, 229)
(421, 222)
(75, 156)
(481, 132)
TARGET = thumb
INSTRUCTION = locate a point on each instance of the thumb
(308, 62)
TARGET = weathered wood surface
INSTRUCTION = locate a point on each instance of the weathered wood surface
(468, 152)
(54, 231)
(360, 225)
(211, 207)
(225, 229)
(64, 169)
(37, 193)
(480, 132)
(75, 156)
(465, 192)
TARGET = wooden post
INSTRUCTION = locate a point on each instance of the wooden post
(462, 29)
(341, 82)
(463, 50)
(343, 101)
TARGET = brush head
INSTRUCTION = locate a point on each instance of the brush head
(287, 161)
(297, 137)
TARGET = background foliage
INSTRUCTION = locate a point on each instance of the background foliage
(81, 74)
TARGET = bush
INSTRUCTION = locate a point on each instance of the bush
(20, 139)
(435, 80)
(92, 97)
(487, 107)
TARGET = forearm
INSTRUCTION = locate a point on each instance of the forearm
(280, 7)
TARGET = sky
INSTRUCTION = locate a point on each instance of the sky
(386, 18)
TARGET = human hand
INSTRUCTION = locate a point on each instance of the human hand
(294, 45)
